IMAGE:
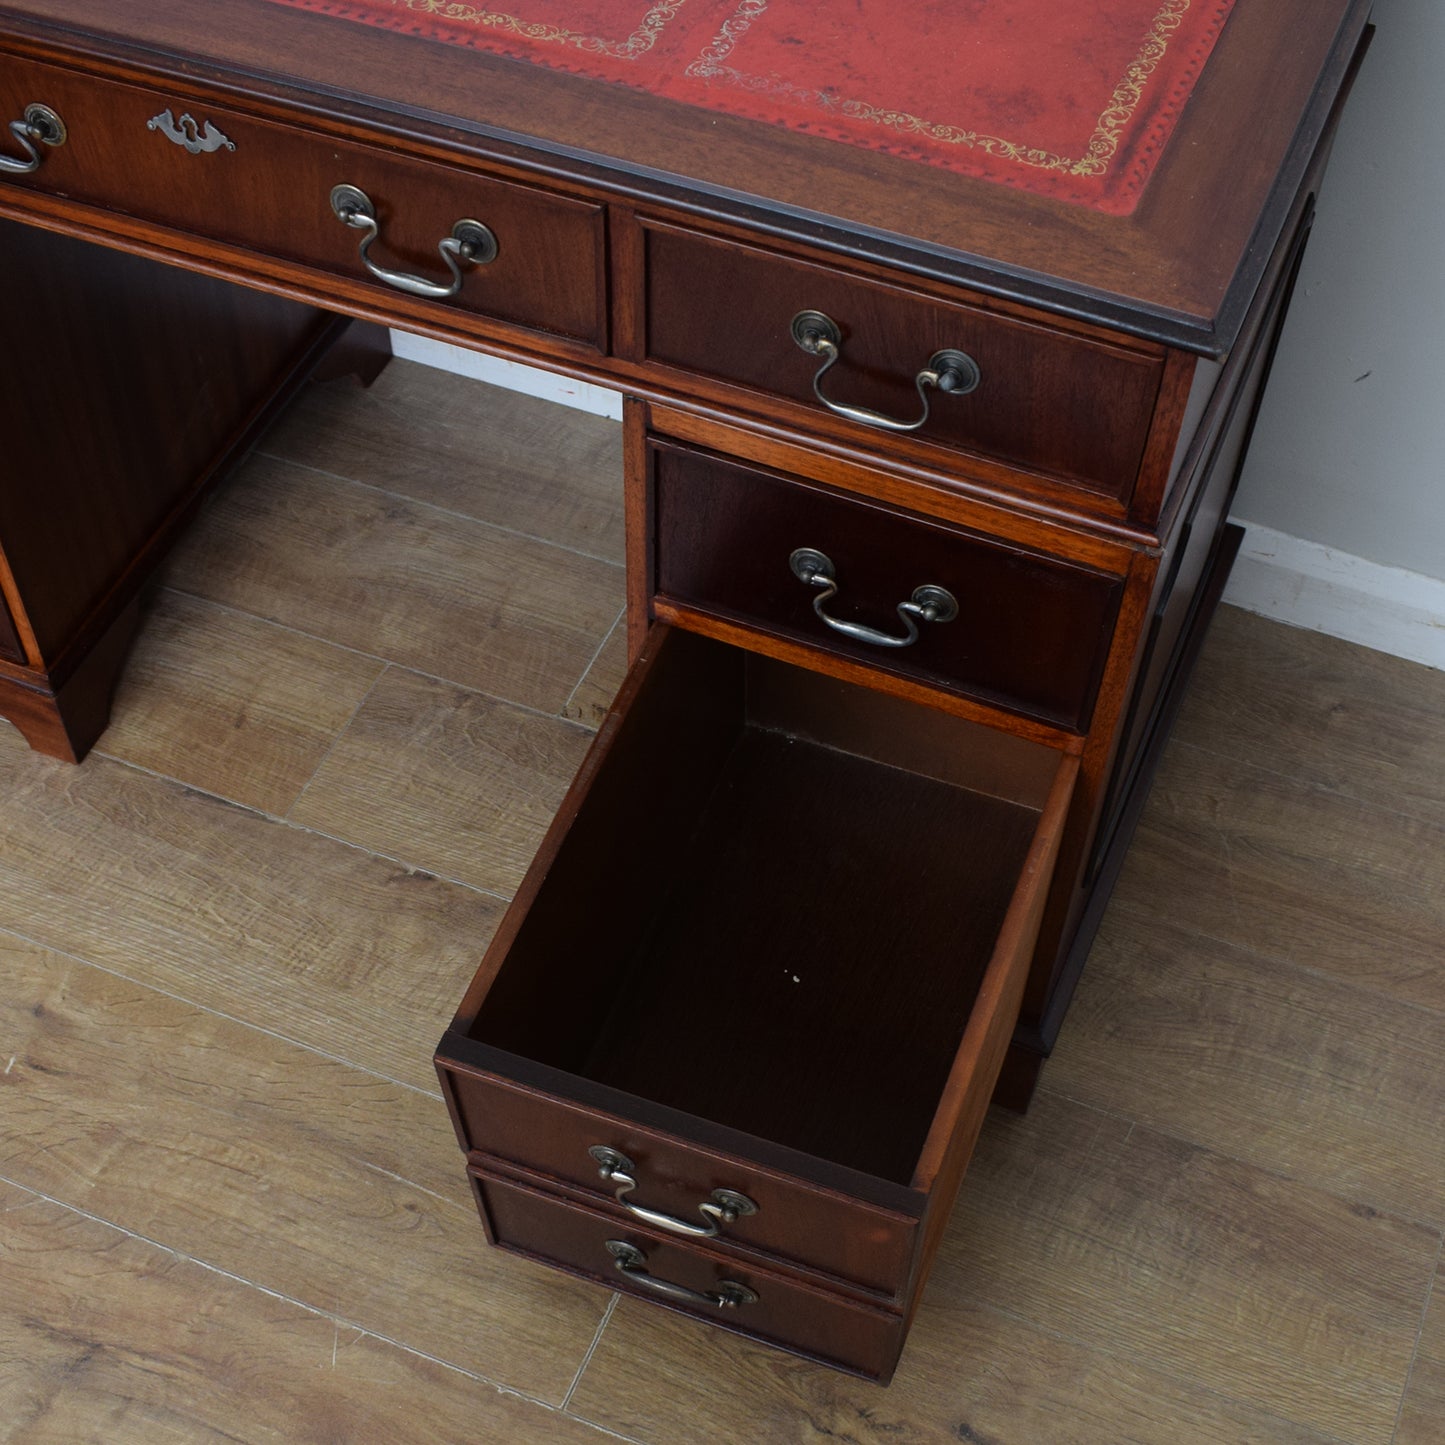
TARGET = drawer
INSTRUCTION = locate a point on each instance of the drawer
(1031, 634)
(1073, 407)
(266, 188)
(773, 944)
(849, 1334)
(841, 1236)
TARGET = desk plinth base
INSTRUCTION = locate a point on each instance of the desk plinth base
(64, 720)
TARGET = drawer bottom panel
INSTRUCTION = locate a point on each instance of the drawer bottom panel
(780, 1311)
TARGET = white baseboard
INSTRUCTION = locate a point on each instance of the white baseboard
(1321, 589)
(529, 380)
(1299, 583)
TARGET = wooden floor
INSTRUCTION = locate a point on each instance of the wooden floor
(231, 1204)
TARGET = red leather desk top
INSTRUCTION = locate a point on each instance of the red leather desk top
(1072, 100)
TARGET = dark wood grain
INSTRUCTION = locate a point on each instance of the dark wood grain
(723, 883)
(814, 1229)
(1139, 1359)
(1032, 631)
(133, 390)
(271, 194)
(638, 516)
(1184, 263)
(64, 721)
(1057, 966)
(696, 949)
(845, 1333)
(705, 923)
(362, 352)
(140, 377)
(615, 843)
(1053, 401)
(1183, 585)
(898, 481)
(1183, 601)
(807, 867)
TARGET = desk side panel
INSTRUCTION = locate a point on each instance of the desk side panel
(127, 382)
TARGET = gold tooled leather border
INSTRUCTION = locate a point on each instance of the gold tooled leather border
(1103, 144)
(637, 44)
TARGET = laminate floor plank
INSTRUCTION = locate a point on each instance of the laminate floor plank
(294, 1172)
(446, 780)
(1322, 711)
(109, 1339)
(431, 591)
(233, 705)
(1422, 1415)
(358, 957)
(970, 1373)
(1292, 1070)
(1099, 1282)
(1304, 1304)
(496, 456)
(594, 695)
(1291, 871)
(1218, 1223)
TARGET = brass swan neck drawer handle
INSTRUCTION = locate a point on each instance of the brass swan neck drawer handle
(952, 372)
(629, 1260)
(928, 603)
(725, 1206)
(470, 244)
(40, 126)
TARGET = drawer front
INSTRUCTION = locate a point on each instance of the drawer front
(267, 188)
(769, 1307)
(1049, 400)
(772, 946)
(1032, 631)
(805, 1226)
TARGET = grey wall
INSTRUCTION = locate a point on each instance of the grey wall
(1350, 450)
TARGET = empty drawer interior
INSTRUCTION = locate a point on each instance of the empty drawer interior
(770, 903)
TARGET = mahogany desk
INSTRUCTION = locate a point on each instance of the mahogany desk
(927, 479)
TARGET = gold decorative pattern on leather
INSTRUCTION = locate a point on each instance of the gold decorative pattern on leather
(637, 44)
(1103, 144)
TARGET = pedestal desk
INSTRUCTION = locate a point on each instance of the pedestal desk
(931, 427)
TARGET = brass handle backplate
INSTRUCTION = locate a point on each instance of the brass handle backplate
(470, 244)
(627, 1259)
(929, 603)
(953, 372)
(725, 1206)
(39, 126)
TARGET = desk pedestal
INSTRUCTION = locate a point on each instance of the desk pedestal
(130, 388)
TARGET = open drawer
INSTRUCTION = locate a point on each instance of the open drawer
(755, 990)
